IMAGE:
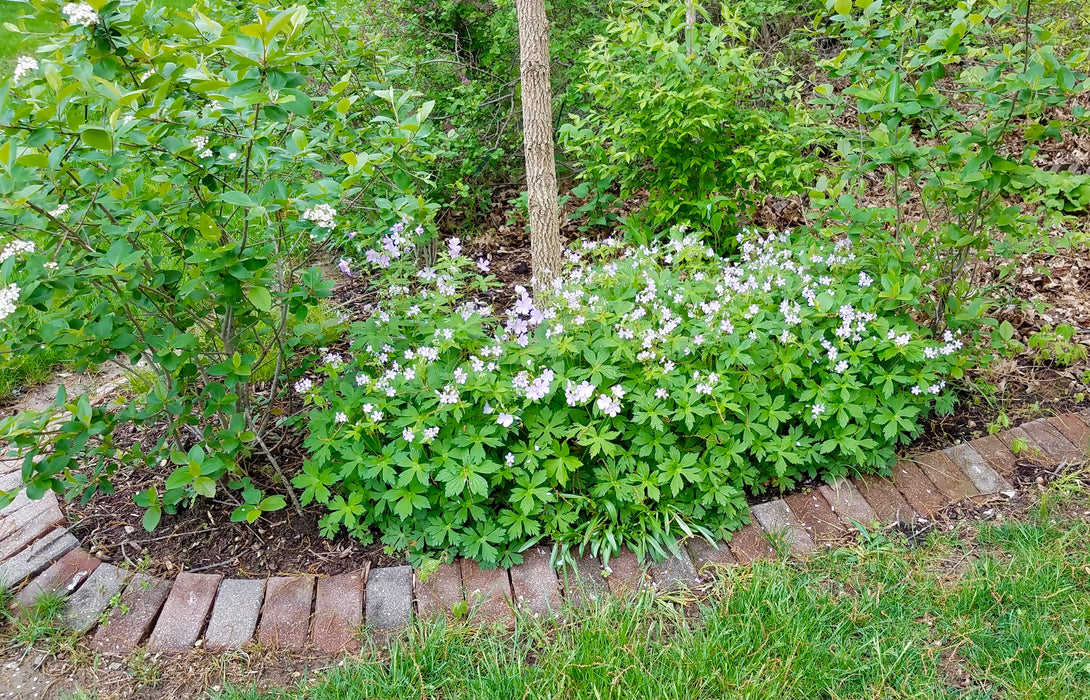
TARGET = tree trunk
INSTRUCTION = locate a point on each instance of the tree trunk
(537, 129)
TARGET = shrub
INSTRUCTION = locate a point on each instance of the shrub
(950, 123)
(695, 119)
(639, 401)
(164, 179)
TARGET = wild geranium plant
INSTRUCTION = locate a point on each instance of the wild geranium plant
(636, 402)
(164, 177)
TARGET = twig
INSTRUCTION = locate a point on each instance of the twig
(280, 473)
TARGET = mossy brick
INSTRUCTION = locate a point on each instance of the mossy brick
(285, 616)
(996, 454)
(234, 614)
(627, 574)
(1075, 429)
(777, 520)
(129, 623)
(676, 571)
(750, 544)
(885, 500)
(390, 598)
(30, 523)
(924, 497)
(488, 592)
(972, 464)
(63, 576)
(442, 590)
(583, 581)
(338, 613)
(706, 557)
(185, 612)
(1056, 447)
(85, 607)
(946, 476)
(535, 585)
(816, 516)
(848, 503)
(36, 557)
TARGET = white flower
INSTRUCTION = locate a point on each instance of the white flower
(483, 265)
(8, 297)
(661, 393)
(865, 280)
(81, 14)
(408, 435)
(449, 395)
(817, 409)
(915, 391)
(576, 394)
(608, 405)
(505, 419)
(841, 367)
(454, 246)
(460, 376)
(341, 417)
(430, 433)
(24, 65)
(50, 265)
(15, 247)
(304, 385)
(509, 458)
(322, 215)
(618, 391)
(59, 211)
(199, 142)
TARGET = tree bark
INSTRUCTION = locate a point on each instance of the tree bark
(537, 129)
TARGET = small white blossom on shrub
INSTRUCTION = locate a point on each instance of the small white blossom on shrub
(81, 14)
(322, 215)
(23, 66)
(8, 296)
(16, 247)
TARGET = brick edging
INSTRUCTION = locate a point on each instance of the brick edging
(294, 613)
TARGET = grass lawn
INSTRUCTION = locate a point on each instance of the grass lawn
(1000, 610)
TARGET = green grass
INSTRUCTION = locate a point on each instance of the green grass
(999, 611)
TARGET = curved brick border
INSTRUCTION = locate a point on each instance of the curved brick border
(37, 554)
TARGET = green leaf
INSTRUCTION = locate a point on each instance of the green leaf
(260, 297)
(97, 137)
(151, 517)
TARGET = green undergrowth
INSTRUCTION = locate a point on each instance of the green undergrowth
(998, 610)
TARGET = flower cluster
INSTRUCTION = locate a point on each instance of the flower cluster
(322, 215)
(8, 296)
(647, 380)
(80, 14)
(23, 66)
(16, 247)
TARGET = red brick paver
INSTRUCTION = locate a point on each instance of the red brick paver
(338, 613)
(1055, 446)
(130, 621)
(487, 592)
(924, 497)
(997, 455)
(285, 617)
(816, 517)
(534, 582)
(705, 556)
(847, 502)
(947, 476)
(30, 523)
(750, 544)
(626, 573)
(584, 583)
(442, 591)
(887, 502)
(64, 576)
(184, 613)
(234, 616)
(1074, 429)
